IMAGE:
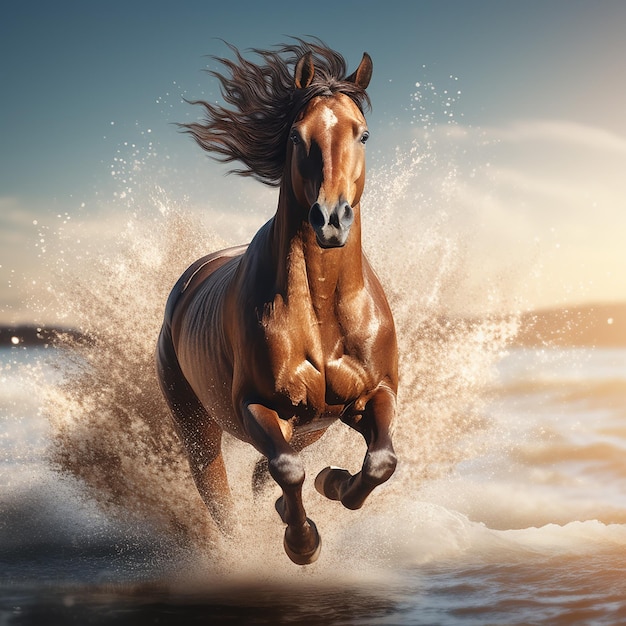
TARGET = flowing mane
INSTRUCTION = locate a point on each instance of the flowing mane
(264, 105)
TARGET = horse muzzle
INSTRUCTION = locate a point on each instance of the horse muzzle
(331, 227)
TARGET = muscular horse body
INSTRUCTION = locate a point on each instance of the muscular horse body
(274, 341)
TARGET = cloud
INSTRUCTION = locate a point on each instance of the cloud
(563, 133)
(15, 219)
(538, 206)
(31, 248)
(561, 185)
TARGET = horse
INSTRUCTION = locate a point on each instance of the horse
(274, 341)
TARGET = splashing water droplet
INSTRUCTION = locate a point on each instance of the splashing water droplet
(110, 423)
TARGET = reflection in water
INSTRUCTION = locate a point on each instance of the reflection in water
(244, 605)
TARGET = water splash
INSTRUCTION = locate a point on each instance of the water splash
(110, 426)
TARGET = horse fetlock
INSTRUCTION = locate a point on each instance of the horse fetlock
(378, 466)
(287, 470)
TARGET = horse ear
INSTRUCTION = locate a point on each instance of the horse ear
(304, 71)
(363, 73)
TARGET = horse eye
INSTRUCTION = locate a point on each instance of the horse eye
(364, 137)
(295, 137)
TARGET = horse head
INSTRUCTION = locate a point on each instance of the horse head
(327, 154)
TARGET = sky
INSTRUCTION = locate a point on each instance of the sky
(519, 104)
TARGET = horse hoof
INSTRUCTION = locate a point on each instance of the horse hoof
(308, 557)
(329, 480)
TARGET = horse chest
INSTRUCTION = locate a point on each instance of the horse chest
(321, 386)
(313, 368)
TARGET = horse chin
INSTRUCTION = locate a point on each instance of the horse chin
(329, 245)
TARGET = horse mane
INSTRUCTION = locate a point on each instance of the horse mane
(265, 102)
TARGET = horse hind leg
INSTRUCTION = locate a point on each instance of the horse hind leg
(200, 435)
(203, 440)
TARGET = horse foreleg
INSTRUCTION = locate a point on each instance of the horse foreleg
(270, 436)
(380, 460)
(261, 477)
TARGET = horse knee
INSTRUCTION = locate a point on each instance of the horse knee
(379, 465)
(287, 470)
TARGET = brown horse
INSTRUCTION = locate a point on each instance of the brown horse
(275, 341)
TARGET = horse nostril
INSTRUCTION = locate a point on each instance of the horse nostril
(347, 216)
(317, 216)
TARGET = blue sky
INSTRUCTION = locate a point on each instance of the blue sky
(541, 84)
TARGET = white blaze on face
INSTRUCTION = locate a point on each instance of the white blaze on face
(330, 119)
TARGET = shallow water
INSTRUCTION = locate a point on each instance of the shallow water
(529, 528)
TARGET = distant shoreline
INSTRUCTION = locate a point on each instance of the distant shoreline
(593, 325)
(27, 335)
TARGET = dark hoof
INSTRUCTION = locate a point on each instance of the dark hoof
(329, 480)
(308, 556)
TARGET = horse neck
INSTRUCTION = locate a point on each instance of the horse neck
(303, 268)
